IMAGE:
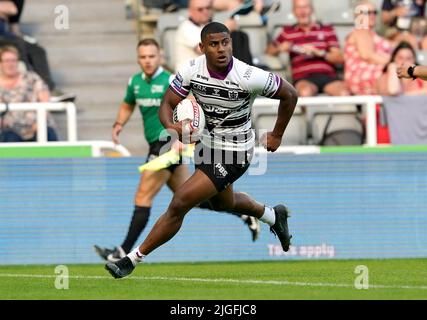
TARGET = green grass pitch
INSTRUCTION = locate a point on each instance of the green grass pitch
(279, 280)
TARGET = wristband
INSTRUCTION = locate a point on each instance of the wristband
(411, 70)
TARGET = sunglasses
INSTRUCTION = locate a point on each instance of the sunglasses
(375, 12)
(203, 8)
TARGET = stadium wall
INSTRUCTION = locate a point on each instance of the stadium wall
(344, 206)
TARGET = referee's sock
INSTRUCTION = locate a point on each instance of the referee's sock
(137, 225)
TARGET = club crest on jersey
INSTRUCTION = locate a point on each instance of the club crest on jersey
(233, 95)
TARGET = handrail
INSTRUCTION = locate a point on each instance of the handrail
(368, 101)
(97, 146)
(41, 108)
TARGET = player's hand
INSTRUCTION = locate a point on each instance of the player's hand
(270, 141)
(115, 133)
(402, 70)
(183, 130)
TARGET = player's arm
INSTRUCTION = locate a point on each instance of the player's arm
(417, 71)
(288, 97)
(125, 112)
(169, 102)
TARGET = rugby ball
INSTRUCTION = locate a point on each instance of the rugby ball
(193, 118)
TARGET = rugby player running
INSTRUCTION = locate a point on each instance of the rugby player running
(225, 88)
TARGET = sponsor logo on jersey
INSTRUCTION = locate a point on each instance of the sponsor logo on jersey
(177, 82)
(198, 87)
(269, 85)
(227, 82)
(221, 170)
(248, 73)
(149, 102)
(155, 88)
(196, 118)
(200, 76)
(209, 108)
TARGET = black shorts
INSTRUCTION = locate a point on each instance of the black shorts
(320, 80)
(157, 148)
(221, 166)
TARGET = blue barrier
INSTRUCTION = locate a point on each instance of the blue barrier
(343, 206)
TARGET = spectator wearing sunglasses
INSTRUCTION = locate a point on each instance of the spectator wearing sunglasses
(365, 52)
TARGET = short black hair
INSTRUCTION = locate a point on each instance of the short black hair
(213, 27)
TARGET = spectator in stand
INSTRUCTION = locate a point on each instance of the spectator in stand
(365, 52)
(389, 83)
(314, 52)
(15, 19)
(241, 7)
(16, 87)
(200, 13)
(405, 21)
(33, 55)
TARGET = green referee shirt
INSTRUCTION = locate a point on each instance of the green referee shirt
(147, 95)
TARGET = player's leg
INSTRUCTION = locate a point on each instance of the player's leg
(150, 183)
(275, 217)
(195, 190)
(181, 174)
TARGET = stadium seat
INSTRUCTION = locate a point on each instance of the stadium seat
(166, 29)
(296, 131)
(169, 47)
(336, 125)
(338, 12)
(169, 21)
(252, 25)
(259, 38)
(342, 31)
(276, 21)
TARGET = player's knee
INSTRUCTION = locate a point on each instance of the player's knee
(179, 206)
(223, 206)
(144, 195)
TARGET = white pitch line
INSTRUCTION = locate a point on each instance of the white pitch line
(218, 280)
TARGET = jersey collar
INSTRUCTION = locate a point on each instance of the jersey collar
(221, 75)
(159, 71)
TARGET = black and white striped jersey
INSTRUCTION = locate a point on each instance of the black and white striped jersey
(226, 99)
